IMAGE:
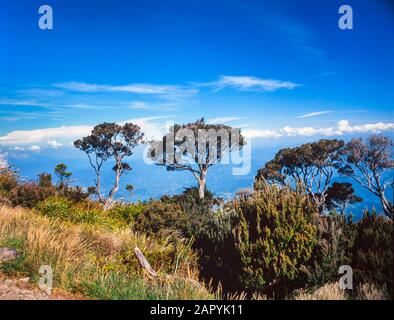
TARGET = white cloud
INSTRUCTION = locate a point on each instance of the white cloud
(38, 138)
(137, 88)
(222, 120)
(261, 133)
(28, 137)
(139, 105)
(343, 127)
(34, 148)
(3, 160)
(314, 114)
(150, 128)
(54, 144)
(251, 83)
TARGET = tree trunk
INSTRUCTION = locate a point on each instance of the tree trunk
(201, 186)
(98, 186)
(114, 190)
(387, 207)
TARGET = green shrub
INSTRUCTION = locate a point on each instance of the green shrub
(335, 234)
(127, 212)
(64, 209)
(275, 236)
(372, 254)
(55, 207)
(161, 219)
(8, 181)
(219, 260)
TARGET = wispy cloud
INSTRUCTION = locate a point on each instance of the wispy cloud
(314, 114)
(135, 88)
(139, 105)
(19, 102)
(299, 35)
(248, 83)
(326, 74)
(342, 127)
(223, 120)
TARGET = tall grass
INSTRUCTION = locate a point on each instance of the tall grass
(96, 262)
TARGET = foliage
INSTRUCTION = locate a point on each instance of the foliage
(339, 195)
(160, 218)
(312, 164)
(110, 141)
(275, 236)
(372, 253)
(335, 234)
(366, 162)
(8, 181)
(127, 212)
(195, 147)
(30, 194)
(62, 174)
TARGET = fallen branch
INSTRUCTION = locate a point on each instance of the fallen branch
(144, 263)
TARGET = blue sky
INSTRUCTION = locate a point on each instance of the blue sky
(282, 71)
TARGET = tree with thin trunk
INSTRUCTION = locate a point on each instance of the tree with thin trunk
(63, 175)
(370, 164)
(110, 141)
(312, 164)
(195, 147)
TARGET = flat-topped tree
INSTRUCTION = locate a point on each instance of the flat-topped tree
(195, 147)
(110, 141)
(312, 164)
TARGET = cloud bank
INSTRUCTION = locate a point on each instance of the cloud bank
(343, 127)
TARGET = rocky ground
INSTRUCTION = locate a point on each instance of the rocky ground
(23, 289)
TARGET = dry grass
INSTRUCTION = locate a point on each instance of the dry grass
(96, 262)
(369, 291)
(329, 291)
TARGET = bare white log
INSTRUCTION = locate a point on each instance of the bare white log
(144, 263)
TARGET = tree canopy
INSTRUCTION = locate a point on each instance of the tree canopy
(195, 147)
(110, 141)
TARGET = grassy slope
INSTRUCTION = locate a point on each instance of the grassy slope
(95, 262)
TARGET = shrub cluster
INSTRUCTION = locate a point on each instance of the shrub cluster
(270, 241)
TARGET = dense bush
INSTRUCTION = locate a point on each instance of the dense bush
(127, 212)
(64, 209)
(335, 234)
(275, 236)
(372, 253)
(30, 194)
(161, 219)
(8, 181)
(198, 212)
